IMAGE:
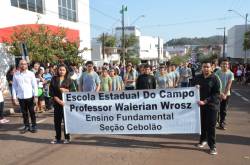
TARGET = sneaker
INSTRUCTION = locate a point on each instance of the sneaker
(3, 121)
(213, 151)
(56, 141)
(33, 129)
(66, 141)
(201, 145)
(26, 129)
(221, 127)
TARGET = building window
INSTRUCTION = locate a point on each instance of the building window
(67, 10)
(14, 3)
(31, 5)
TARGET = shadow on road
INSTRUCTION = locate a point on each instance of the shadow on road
(15, 127)
(123, 142)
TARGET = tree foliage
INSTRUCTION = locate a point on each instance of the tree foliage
(130, 41)
(213, 40)
(210, 57)
(45, 45)
(109, 40)
(246, 43)
(177, 60)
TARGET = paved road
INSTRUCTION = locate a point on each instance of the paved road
(233, 144)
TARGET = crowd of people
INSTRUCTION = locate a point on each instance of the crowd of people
(40, 88)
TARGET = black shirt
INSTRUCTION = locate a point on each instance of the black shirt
(146, 81)
(55, 85)
(209, 89)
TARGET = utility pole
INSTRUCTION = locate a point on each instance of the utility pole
(103, 46)
(224, 42)
(124, 8)
(245, 58)
(159, 50)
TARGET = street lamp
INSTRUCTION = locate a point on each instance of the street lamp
(224, 40)
(139, 17)
(245, 17)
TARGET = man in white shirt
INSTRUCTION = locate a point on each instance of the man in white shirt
(25, 89)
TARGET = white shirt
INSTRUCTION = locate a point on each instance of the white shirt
(24, 85)
(239, 72)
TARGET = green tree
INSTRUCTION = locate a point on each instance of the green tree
(177, 60)
(210, 57)
(131, 46)
(45, 45)
(109, 40)
(246, 43)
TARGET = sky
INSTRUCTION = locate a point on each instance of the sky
(168, 18)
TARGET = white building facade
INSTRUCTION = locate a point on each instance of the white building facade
(149, 48)
(235, 42)
(71, 14)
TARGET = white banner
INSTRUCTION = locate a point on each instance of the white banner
(162, 111)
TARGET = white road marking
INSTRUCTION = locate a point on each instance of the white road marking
(242, 97)
(236, 93)
(40, 121)
(245, 99)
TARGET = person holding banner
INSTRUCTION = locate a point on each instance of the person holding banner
(145, 80)
(209, 100)
(59, 84)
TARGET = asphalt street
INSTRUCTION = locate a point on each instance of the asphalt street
(233, 144)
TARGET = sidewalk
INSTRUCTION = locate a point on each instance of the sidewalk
(9, 108)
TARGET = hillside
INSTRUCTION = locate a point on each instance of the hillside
(213, 40)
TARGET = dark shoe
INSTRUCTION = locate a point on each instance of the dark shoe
(221, 127)
(213, 151)
(33, 129)
(56, 141)
(26, 129)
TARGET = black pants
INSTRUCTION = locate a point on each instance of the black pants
(58, 117)
(1, 110)
(48, 103)
(223, 110)
(130, 88)
(208, 123)
(27, 107)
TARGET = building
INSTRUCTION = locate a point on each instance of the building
(235, 43)
(110, 56)
(71, 14)
(149, 49)
(177, 50)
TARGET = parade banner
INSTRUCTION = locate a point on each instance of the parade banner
(161, 111)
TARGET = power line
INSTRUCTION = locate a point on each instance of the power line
(189, 22)
(98, 11)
